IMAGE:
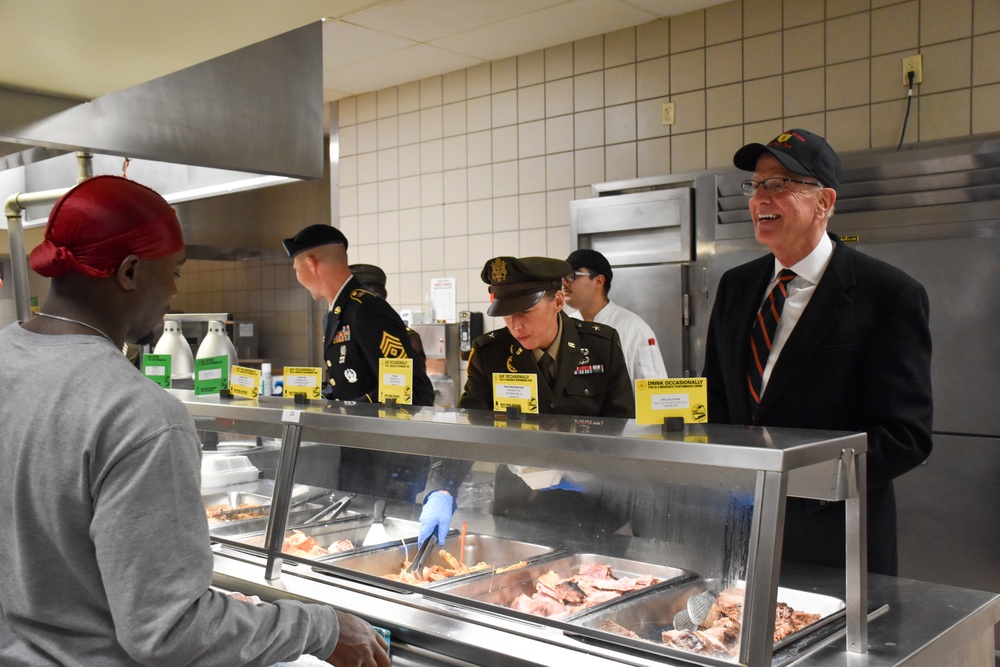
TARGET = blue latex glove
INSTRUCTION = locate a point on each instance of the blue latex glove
(435, 516)
(565, 484)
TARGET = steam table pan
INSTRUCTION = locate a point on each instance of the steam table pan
(497, 551)
(648, 615)
(504, 588)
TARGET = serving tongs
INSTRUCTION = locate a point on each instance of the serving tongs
(423, 551)
(261, 510)
(331, 511)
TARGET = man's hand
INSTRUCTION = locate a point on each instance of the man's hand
(435, 516)
(359, 645)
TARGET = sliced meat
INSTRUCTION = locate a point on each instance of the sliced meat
(596, 570)
(610, 626)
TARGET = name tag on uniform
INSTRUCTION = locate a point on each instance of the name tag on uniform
(518, 390)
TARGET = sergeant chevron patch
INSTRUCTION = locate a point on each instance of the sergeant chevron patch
(392, 347)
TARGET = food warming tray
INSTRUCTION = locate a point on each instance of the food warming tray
(497, 551)
(650, 613)
(348, 526)
(502, 589)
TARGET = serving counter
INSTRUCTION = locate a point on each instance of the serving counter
(696, 522)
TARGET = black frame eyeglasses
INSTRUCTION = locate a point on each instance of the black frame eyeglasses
(775, 185)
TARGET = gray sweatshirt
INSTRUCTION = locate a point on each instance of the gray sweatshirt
(105, 556)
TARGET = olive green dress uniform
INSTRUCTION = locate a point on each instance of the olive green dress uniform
(591, 377)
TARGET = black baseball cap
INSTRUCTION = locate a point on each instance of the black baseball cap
(800, 151)
(593, 260)
(517, 284)
(313, 236)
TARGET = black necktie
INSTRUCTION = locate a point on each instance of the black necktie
(762, 336)
(546, 365)
(327, 334)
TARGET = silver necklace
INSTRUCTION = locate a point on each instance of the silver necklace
(82, 324)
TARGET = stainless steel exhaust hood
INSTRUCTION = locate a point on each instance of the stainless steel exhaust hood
(240, 122)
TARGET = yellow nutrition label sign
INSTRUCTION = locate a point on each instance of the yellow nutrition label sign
(395, 380)
(303, 380)
(244, 382)
(515, 390)
(655, 400)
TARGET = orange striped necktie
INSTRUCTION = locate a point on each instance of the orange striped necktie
(762, 335)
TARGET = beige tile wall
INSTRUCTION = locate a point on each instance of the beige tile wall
(261, 291)
(439, 175)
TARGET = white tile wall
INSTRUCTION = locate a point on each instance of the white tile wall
(442, 174)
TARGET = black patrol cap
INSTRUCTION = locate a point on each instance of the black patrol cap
(800, 151)
(313, 236)
(517, 284)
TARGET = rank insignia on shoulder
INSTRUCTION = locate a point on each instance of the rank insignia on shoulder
(589, 370)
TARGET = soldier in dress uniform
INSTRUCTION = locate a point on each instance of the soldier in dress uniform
(359, 328)
(373, 278)
(588, 377)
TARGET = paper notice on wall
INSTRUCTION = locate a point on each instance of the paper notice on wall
(443, 300)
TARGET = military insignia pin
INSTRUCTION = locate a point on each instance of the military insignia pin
(498, 270)
(351, 375)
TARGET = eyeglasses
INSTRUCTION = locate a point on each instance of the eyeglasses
(577, 274)
(773, 185)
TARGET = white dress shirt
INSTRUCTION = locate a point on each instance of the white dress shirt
(808, 272)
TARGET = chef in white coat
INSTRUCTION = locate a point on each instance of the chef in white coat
(586, 290)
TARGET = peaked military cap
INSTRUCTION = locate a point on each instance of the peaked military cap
(313, 236)
(517, 284)
(369, 274)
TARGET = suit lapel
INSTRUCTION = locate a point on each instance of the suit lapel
(827, 305)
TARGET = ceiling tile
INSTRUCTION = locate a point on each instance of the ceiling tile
(558, 24)
(345, 44)
(409, 64)
(426, 20)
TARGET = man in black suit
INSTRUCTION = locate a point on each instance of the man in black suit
(360, 328)
(851, 351)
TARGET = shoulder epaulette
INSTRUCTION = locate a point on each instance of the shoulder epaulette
(594, 329)
(490, 337)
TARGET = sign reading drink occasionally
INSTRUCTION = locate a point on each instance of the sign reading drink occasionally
(655, 400)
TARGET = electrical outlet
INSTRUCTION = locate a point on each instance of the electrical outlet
(668, 113)
(913, 64)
